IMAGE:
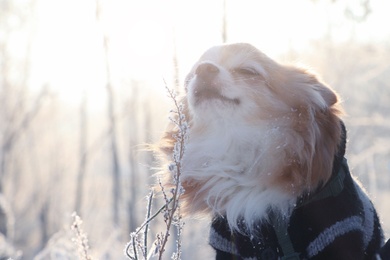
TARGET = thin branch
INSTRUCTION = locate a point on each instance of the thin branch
(171, 209)
(150, 199)
(81, 239)
(177, 157)
(145, 225)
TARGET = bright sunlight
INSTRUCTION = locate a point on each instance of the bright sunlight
(83, 90)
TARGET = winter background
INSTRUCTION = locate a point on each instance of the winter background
(82, 91)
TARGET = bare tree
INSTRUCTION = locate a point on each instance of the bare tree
(14, 114)
(116, 187)
(15, 129)
(83, 155)
(175, 62)
(134, 169)
(224, 22)
(19, 109)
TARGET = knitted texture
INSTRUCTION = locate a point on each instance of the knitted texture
(345, 226)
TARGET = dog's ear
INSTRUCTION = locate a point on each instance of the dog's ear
(327, 94)
(329, 97)
(320, 93)
(299, 87)
(325, 130)
(314, 117)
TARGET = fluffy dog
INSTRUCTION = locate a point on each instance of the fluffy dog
(265, 156)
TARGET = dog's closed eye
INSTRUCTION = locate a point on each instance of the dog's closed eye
(246, 71)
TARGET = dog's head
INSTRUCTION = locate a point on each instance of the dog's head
(238, 82)
(290, 118)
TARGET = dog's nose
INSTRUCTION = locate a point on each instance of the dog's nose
(206, 69)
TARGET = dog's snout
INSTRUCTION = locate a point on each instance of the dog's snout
(206, 70)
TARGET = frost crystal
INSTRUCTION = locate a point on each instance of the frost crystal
(81, 239)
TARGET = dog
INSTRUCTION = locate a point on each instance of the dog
(265, 158)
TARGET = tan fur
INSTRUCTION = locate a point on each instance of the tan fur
(287, 98)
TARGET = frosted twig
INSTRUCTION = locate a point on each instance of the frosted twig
(145, 226)
(171, 208)
(179, 223)
(178, 152)
(150, 198)
(81, 239)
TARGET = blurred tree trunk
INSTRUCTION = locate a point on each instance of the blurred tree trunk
(13, 130)
(134, 169)
(83, 155)
(14, 116)
(175, 61)
(224, 23)
(44, 222)
(116, 187)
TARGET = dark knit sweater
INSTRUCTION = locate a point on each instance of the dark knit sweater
(344, 226)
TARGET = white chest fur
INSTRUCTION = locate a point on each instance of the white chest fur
(234, 165)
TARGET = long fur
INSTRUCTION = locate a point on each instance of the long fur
(267, 139)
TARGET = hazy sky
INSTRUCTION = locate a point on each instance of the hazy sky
(68, 52)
